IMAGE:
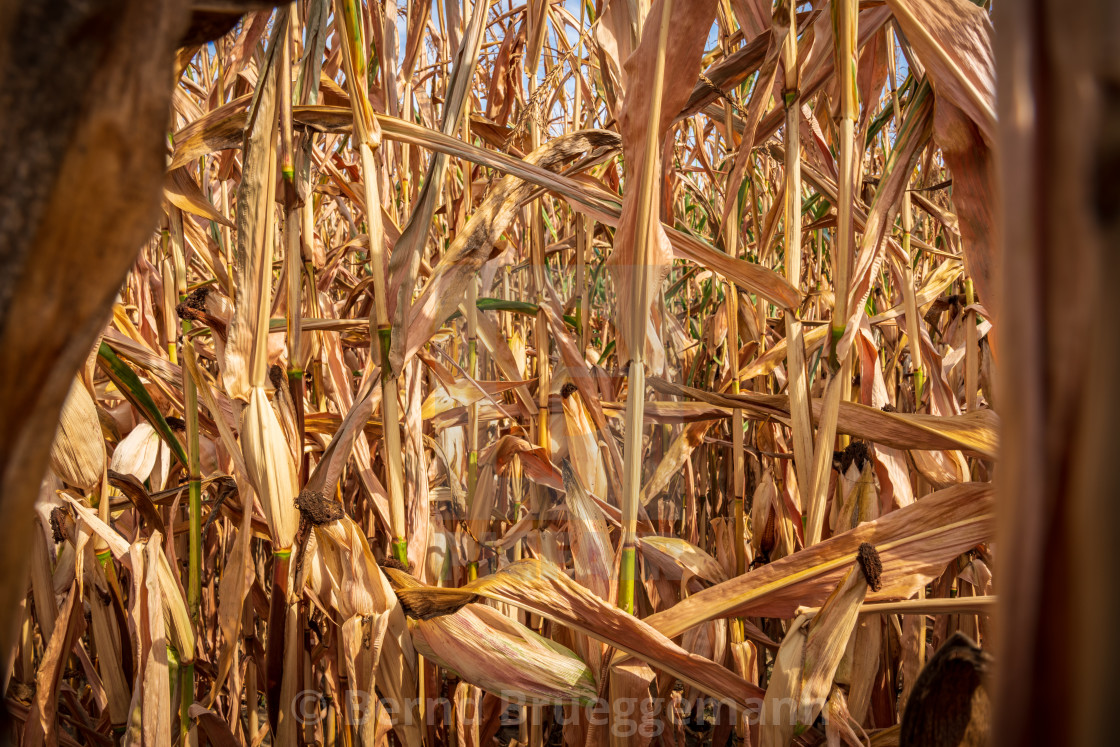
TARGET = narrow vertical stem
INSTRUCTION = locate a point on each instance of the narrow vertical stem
(194, 475)
(227, 242)
(293, 265)
(844, 20)
(381, 340)
(472, 411)
(635, 398)
(971, 357)
(170, 299)
(194, 488)
(186, 700)
(738, 455)
(802, 425)
(252, 688)
(541, 335)
(368, 135)
(913, 328)
(581, 279)
(738, 481)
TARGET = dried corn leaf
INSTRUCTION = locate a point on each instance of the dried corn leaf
(543, 588)
(914, 543)
(488, 649)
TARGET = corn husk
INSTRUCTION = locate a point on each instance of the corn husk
(107, 641)
(176, 617)
(841, 725)
(592, 553)
(859, 491)
(353, 585)
(582, 439)
(824, 648)
(778, 718)
(670, 466)
(138, 452)
(78, 450)
(270, 466)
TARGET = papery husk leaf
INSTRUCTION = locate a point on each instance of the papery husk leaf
(155, 688)
(236, 578)
(953, 40)
(112, 538)
(107, 641)
(182, 191)
(840, 722)
(212, 726)
(42, 585)
(405, 261)
(860, 665)
(41, 723)
(224, 132)
(678, 558)
(177, 619)
(592, 553)
(914, 133)
(633, 712)
(129, 385)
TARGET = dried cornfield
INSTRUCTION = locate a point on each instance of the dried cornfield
(574, 372)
